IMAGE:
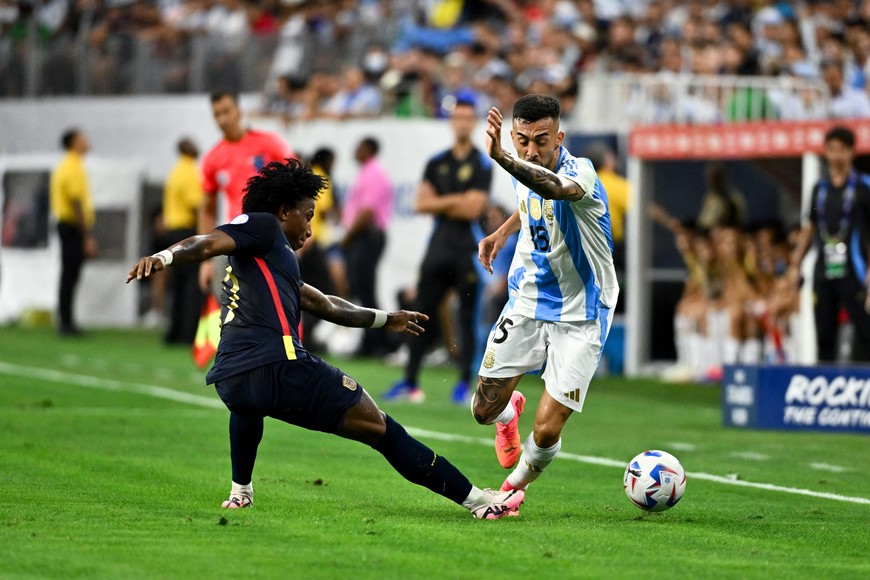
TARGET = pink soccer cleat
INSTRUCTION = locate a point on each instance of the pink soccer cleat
(500, 504)
(506, 486)
(507, 437)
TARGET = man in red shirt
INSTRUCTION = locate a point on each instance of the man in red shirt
(228, 166)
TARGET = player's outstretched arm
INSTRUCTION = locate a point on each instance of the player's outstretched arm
(187, 251)
(537, 178)
(339, 311)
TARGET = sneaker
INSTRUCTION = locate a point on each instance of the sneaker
(499, 505)
(460, 393)
(404, 391)
(507, 437)
(235, 502)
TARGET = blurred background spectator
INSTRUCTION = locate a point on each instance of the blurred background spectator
(346, 59)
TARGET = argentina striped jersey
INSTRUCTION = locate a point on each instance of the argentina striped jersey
(563, 266)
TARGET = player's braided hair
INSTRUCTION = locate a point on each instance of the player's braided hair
(281, 183)
(531, 108)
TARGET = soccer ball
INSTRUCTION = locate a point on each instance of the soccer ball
(654, 481)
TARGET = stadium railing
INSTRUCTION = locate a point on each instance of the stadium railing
(616, 102)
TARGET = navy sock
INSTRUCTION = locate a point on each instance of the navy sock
(419, 464)
(245, 436)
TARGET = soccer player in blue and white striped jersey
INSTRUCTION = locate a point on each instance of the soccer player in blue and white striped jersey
(562, 287)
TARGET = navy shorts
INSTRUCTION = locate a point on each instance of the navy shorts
(309, 393)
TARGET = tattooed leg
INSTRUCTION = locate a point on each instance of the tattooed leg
(492, 397)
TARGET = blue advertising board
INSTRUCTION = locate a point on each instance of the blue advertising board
(798, 398)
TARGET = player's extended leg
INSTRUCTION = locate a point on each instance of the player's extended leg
(245, 436)
(365, 423)
(542, 445)
(497, 402)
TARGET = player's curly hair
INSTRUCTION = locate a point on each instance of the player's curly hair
(281, 183)
(531, 108)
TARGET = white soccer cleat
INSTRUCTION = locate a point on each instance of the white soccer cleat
(237, 502)
(500, 504)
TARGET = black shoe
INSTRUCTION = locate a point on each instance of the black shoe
(69, 330)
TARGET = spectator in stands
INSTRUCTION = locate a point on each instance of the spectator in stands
(366, 214)
(723, 206)
(357, 98)
(838, 221)
(846, 101)
(71, 206)
(182, 196)
(454, 190)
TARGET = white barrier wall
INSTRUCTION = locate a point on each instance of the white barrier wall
(29, 278)
(142, 132)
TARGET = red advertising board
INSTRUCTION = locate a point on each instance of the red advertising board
(739, 140)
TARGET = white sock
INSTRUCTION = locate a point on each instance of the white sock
(682, 338)
(243, 490)
(697, 343)
(476, 498)
(731, 348)
(507, 415)
(751, 351)
(533, 461)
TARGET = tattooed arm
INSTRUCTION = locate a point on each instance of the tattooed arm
(539, 179)
(344, 313)
(187, 251)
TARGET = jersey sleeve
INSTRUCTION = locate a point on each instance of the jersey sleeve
(581, 172)
(429, 172)
(483, 175)
(209, 178)
(253, 233)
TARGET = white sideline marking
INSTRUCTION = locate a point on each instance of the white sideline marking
(181, 397)
(109, 385)
(680, 446)
(828, 467)
(750, 455)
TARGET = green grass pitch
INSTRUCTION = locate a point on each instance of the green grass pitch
(114, 460)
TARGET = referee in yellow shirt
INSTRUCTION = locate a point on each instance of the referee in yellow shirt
(71, 206)
(182, 195)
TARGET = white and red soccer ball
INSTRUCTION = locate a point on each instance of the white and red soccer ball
(654, 481)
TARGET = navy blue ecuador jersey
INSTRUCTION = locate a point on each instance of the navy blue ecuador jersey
(260, 299)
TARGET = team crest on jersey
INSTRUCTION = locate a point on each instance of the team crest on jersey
(348, 383)
(464, 173)
(548, 209)
(259, 161)
(489, 359)
(535, 208)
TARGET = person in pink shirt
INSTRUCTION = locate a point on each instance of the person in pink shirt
(367, 210)
(228, 166)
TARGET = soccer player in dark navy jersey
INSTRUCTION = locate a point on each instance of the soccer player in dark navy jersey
(263, 370)
(455, 190)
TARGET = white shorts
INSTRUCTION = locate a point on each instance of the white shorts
(568, 352)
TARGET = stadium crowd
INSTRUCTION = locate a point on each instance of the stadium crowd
(345, 59)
